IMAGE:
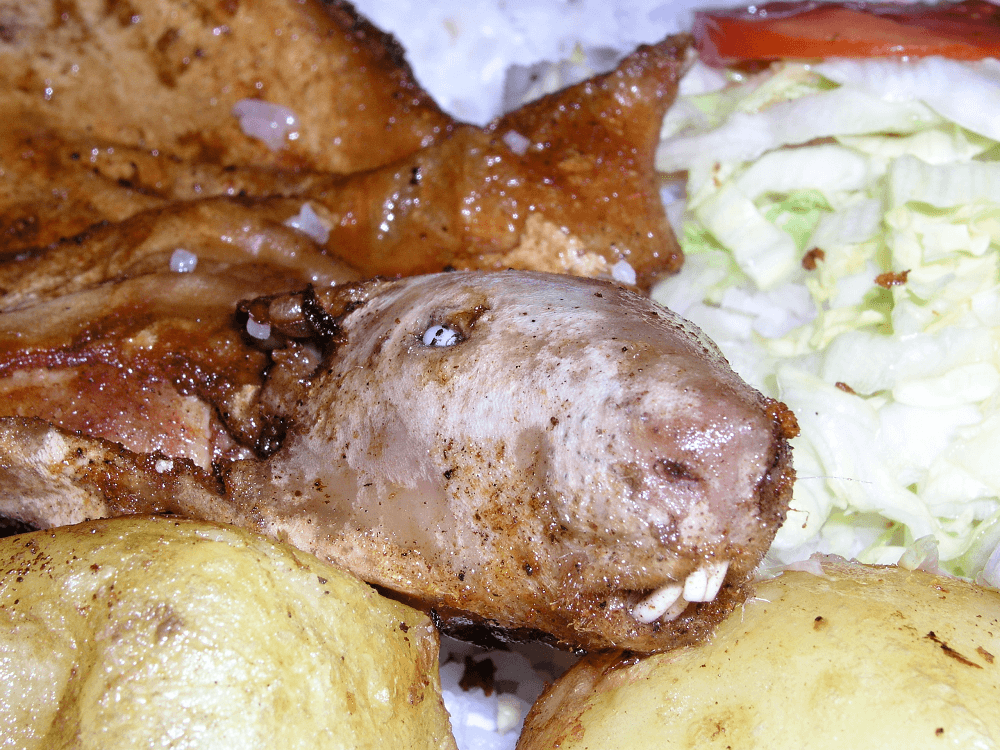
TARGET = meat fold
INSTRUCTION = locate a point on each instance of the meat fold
(115, 109)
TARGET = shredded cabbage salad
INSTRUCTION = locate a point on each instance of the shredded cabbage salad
(842, 232)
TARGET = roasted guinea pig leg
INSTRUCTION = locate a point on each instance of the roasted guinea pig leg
(564, 184)
(523, 451)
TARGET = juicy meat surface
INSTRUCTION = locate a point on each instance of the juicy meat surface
(165, 76)
(581, 197)
(100, 335)
(109, 113)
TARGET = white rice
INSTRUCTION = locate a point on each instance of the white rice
(464, 53)
(493, 722)
(309, 223)
(266, 121)
(183, 261)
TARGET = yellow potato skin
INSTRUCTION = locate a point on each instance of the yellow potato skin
(861, 657)
(153, 632)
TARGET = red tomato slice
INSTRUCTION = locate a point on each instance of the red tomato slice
(968, 30)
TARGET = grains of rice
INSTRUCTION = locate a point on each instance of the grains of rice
(308, 222)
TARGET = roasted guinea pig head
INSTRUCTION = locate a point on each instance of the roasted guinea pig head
(520, 451)
(513, 450)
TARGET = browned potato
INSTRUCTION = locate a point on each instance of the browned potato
(858, 657)
(149, 632)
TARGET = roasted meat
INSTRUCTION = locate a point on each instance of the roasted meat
(182, 328)
(523, 451)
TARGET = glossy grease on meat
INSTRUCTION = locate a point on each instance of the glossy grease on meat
(101, 336)
(107, 114)
(164, 77)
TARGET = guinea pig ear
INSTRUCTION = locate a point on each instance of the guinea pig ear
(305, 314)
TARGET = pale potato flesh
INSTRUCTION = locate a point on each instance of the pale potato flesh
(154, 632)
(859, 657)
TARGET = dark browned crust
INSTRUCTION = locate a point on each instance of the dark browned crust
(122, 482)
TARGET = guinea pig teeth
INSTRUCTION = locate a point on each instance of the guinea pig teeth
(656, 605)
(670, 600)
(704, 583)
(675, 610)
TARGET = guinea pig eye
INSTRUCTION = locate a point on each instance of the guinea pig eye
(441, 336)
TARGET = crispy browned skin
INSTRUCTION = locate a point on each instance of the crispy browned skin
(58, 184)
(581, 197)
(99, 335)
(113, 109)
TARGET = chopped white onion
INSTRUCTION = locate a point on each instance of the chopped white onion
(163, 465)
(991, 573)
(813, 565)
(623, 273)
(258, 330)
(921, 555)
(493, 722)
(267, 122)
(510, 713)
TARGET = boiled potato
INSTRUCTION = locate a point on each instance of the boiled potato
(858, 657)
(152, 632)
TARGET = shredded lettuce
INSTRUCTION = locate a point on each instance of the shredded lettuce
(842, 230)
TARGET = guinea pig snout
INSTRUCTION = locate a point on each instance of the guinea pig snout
(713, 481)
